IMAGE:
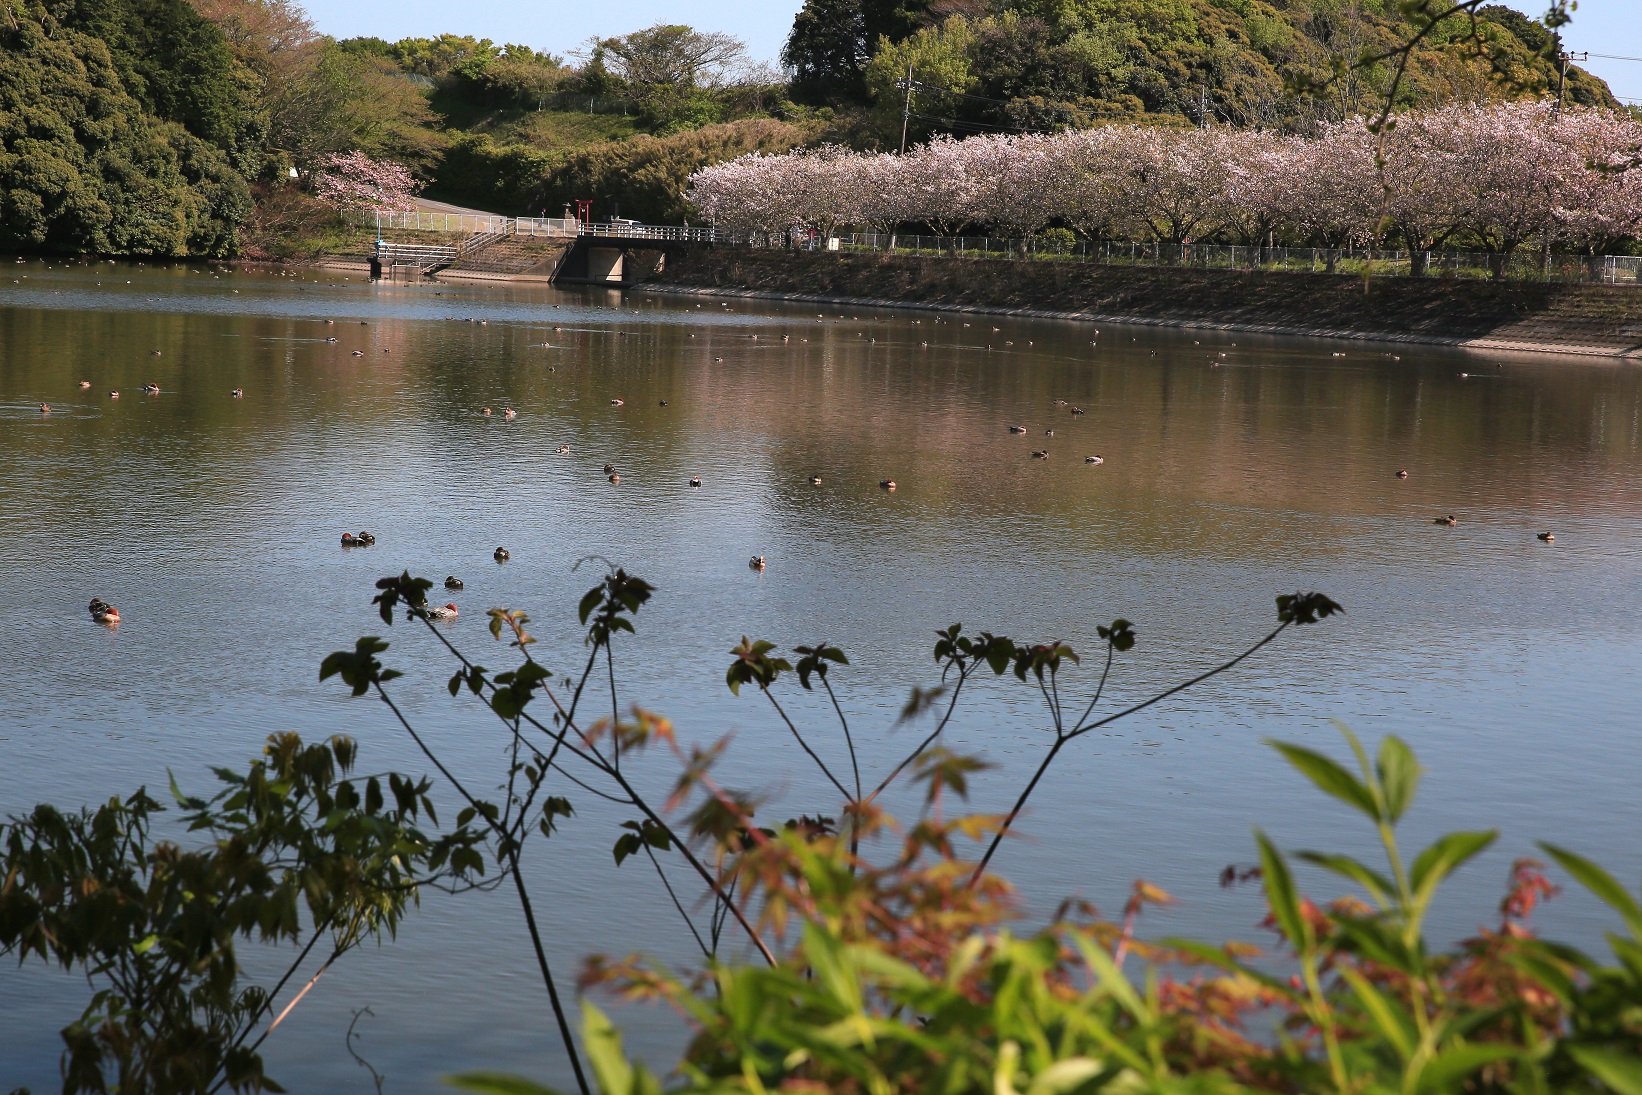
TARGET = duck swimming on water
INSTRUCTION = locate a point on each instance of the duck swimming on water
(1450, 519)
(453, 582)
(756, 562)
(440, 612)
(501, 555)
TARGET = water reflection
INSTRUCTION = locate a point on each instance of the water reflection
(1235, 467)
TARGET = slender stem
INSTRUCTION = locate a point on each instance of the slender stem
(849, 742)
(963, 675)
(1020, 804)
(819, 763)
(297, 999)
(518, 881)
(1161, 696)
(547, 975)
(656, 863)
(1101, 687)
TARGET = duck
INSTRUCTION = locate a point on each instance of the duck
(695, 480)
(350, 540)
(756, 562)
(1448, 520)
(238, 393)
(509, 413)
(1040, 454)
(366, 538)
(887, 484)
(1017, 429)
(45, 408)
(84, 384)
(153, 353)
(151, 389)
(1097, 459)
(1402, 473)
(97, 605)
(501, 555)
(664, 402)
(1078, 410)
(104, 613)
(453, 582)
(115, 394)
(815, 480)
(440, 612)
(1548, 537)
(1049, 433)
(359, 353)
(615, 478)
(610, 469)
(485, 411)
(564, 450)
(618, 402)
(1060, 402)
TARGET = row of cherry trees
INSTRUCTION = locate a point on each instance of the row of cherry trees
(1493, 176)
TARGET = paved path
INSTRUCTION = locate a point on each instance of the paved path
(426, 205)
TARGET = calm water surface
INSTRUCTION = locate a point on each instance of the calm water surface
(1236, 468)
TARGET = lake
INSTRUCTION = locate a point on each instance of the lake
(1236, 467)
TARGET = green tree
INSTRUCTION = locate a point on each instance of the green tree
(84, 168)
(292, 846)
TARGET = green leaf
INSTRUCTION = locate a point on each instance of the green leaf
(1379, 887)
(1065, 1076)
(1280, 894)
(1600, 883)
(1445, 1071)
(1329, 777)
(603, 1045)
(1394, 1023)
(1442, 858)
(1619, 1071)
(1399, 775)
(145, 944)
(497, 1083)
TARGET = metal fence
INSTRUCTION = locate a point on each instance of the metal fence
(1523, 265)
(469, 223)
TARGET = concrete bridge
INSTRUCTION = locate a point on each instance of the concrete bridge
(598, 254)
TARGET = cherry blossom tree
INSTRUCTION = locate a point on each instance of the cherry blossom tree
(352, 181)
(1498, 176)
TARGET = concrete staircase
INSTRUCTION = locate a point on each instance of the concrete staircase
(513, 255)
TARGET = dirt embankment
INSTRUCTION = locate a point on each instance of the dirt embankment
(1588, 319)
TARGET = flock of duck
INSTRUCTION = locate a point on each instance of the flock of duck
(104, 613)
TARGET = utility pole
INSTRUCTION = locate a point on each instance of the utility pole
(1564, 59)
(906, 108)
(1203, 107)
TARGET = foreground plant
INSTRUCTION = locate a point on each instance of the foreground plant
(893, 986)
(292, 846)
(703, 835)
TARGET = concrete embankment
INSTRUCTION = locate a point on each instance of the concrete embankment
(1558, 318)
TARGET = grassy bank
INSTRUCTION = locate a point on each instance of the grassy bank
(1517, 315)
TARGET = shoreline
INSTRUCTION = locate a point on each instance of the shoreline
(1150, 321)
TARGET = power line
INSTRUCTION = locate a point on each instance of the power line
(1614, 57)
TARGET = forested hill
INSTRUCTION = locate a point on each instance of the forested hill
(982, 65)
(196, 127)
(125, 128)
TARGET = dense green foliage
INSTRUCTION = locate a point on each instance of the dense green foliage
(291, 847)
(85, 167)
(642, 177)
(1042, 65)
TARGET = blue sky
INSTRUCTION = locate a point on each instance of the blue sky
(1600, 26)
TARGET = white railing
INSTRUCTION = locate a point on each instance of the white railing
(1524, 265)
(468, 223)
